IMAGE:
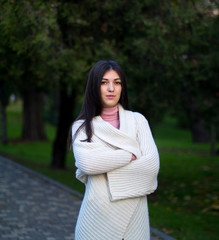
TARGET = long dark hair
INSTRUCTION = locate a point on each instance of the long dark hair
(92, 105)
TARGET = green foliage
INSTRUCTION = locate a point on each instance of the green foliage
(177, 57)
(169, 49)
(27, 28)
(196, 58)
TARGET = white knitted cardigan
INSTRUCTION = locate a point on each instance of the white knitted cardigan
(115, 204)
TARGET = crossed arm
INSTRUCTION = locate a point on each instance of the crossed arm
(127, 177)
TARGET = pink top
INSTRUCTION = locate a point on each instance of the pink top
(111, 115)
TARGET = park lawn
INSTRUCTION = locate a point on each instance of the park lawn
(185, 205)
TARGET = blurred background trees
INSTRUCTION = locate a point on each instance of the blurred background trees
(26, 32)
(169, 50)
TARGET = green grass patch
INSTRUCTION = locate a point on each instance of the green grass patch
(185, 205)
(183, 224)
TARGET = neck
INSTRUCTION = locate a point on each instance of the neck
(111, 115)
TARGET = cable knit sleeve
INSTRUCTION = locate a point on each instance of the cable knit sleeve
(96, 157)
(139, 177)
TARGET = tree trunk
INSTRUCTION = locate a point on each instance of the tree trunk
(200, 133)
(33, 125)
(3, 124)
(213, 140)
(66, 107)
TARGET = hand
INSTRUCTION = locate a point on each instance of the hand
(133, 157)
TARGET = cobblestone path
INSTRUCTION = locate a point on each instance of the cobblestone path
(31, 208)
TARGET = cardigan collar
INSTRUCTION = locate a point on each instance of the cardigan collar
(121, 118)
(124, 138)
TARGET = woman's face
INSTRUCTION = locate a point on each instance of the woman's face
(111, 88)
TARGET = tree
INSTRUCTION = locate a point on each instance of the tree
(190, 58)
(160, 44)
(6, 88)
(5, 91)
(28, 28)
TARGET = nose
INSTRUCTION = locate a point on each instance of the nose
(110, 87)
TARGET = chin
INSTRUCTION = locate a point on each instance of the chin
(109, 105)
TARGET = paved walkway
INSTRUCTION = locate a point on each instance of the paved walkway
(35, 207)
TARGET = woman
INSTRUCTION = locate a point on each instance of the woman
(116, 158)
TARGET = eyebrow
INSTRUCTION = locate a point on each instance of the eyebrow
(108, 79)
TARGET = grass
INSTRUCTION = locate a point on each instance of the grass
(185, 205)
(187, 197)
(186, 202)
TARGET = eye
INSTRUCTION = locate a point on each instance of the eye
(103, 82)
(118, 82)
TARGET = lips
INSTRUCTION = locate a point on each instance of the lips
(110, 96)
